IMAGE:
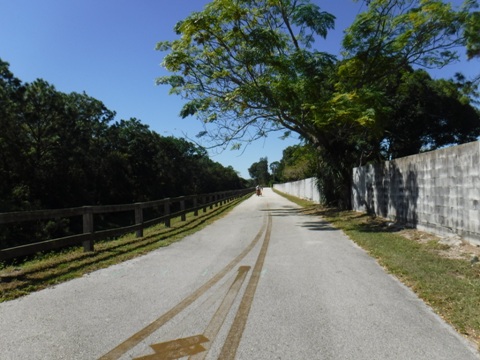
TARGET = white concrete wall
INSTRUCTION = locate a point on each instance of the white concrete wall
(303, 189)
(437, 191)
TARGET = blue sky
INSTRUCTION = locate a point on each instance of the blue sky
(107, 49)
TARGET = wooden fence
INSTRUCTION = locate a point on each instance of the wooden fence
(185, 204)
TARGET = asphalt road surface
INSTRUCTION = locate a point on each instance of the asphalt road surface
(263, 282)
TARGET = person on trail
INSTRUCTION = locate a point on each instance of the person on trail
(258, 190)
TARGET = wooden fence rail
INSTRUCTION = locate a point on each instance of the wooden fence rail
(89, 235)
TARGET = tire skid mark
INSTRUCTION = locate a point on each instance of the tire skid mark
(136, 338)
(218, 319)
(234, 336)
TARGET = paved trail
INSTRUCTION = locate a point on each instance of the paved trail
(264, 282)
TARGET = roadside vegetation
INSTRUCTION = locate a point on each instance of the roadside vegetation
(254, 67)
(446, 277)
(47, 269)
(62, 150)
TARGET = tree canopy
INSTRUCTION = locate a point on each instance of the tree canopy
(62, 150)
(259, 172)
(249, 67)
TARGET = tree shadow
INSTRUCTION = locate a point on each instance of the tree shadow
(284, 211)
(388, 190)
(314, 225)
(320, 225)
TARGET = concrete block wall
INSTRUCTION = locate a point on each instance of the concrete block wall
(303, 189)
(437, 191)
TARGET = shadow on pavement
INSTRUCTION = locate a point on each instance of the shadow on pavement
(284, 211)
(320, 225)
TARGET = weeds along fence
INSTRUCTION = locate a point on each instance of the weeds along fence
(168, 209)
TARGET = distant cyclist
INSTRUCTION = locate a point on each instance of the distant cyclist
(258, 190)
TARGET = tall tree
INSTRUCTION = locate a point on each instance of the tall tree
(274, 168)
(259, 171)
(249, 67)
(381, 47)
(12, 191)
(428, 114)
(298, 162)
(59, 150)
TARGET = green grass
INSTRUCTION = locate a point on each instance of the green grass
(56, 267)
(450, 286)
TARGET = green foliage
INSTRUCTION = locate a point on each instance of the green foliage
(259, 172)
(243, 65)
(421, 32)
(472, 34)
(64, 150)
(249, 67)
(298, 162)
(275, 170)
(376, 85)
(426, 115)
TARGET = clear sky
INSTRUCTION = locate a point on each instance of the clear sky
(106, 48)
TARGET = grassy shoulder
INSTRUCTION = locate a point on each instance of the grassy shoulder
(442, 276)
(19, 279)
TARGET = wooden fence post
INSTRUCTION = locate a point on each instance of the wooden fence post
(88, 228)
(139, 219)
(183, 217)
(195, 212)
(167, 213)
(204, 197)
